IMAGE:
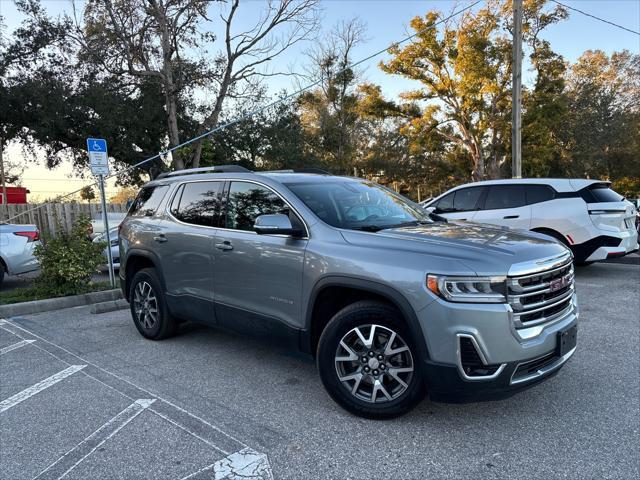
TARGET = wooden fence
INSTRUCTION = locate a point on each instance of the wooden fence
(52, 216)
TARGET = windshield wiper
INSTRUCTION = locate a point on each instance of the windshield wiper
(413, 223)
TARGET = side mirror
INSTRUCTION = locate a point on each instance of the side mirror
(276, 224)
(430, 209)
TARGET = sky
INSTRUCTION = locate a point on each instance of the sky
(386, 21)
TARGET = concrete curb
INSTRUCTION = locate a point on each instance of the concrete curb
(49, 304)
(110, 306)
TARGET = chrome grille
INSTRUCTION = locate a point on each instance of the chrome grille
(541, 297)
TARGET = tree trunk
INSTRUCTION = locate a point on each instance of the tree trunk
(172, 126)
(212, 120)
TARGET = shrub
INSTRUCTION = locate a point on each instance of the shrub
(68, 261)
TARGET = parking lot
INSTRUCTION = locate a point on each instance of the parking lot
(85, 396)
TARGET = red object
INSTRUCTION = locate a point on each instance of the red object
(570, 239)
(15, 195)
(33, 236)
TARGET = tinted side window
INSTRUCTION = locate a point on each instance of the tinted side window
(504, 196)
(247, 201)
(538, 193)
(147, 201)
(466, 199)
(199, 203)
(445, 204)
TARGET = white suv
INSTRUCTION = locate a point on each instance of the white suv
(595, 222)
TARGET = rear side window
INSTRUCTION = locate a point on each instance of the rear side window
(601, 194)
(504, 196)
(247, 201)
(538, 193)
(466, 199)
(148, 201)
(197, 203)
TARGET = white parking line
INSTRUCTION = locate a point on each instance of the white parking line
(145, 391)
(74, 457)
(38, 387)
(14, 346)
(246, 463)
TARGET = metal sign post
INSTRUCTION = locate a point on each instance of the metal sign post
(99, 162)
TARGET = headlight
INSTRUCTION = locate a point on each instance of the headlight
(468, 289)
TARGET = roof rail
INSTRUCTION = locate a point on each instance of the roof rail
(317, 171)
(214, 169)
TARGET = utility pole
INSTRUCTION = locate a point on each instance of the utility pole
(516, 95)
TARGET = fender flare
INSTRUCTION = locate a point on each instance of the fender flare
(152, 257)
(391, 294)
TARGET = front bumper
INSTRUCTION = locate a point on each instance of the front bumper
(446, 385)
(492, 331)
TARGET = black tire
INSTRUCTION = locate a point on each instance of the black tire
(163, 325)
(364, 314)
(1, 274)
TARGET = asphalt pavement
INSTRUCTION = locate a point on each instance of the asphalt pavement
(85, 396)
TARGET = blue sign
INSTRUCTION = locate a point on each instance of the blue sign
(98, 157)
(97, 145)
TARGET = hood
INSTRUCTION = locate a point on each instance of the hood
(486, 250)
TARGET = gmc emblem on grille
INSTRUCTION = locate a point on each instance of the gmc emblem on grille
(558, 284)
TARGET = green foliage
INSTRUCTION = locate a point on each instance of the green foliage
(39, 292)
(627, 186)
(87, 193)
(68, 261)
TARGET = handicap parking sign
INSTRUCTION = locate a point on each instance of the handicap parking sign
(98, 156)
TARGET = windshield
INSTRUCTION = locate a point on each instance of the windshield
(358, 205)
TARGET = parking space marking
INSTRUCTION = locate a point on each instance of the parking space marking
(14, 346)
(182, 418)
(74, 457)
(38, 387)
(244, 464)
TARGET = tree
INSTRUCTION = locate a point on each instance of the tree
(329, 113)
(270, 140)
(465, 69)
(603, 129)
(52, 100)
(162, 40)
(88, 194)
(124, 194)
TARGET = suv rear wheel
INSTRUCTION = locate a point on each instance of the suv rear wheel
(148, 307)
(368, 362)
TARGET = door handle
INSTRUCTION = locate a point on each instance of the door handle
(160, 238)
(511, 216)
(226, 245)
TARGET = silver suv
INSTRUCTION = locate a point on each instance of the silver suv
(392, 301)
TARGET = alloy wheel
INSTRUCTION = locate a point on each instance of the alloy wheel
(145, 305)
(374, 363)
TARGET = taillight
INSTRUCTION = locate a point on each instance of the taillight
(32, 236)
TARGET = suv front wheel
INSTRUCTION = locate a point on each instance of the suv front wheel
(368, 362)
(148, 307)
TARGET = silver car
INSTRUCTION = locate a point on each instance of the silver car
(115, 247)
(17, 243)
(391, 301)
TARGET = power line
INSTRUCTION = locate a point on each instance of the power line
(256, 111)
(597, 18)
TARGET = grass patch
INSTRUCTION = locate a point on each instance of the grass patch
(27, 294)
